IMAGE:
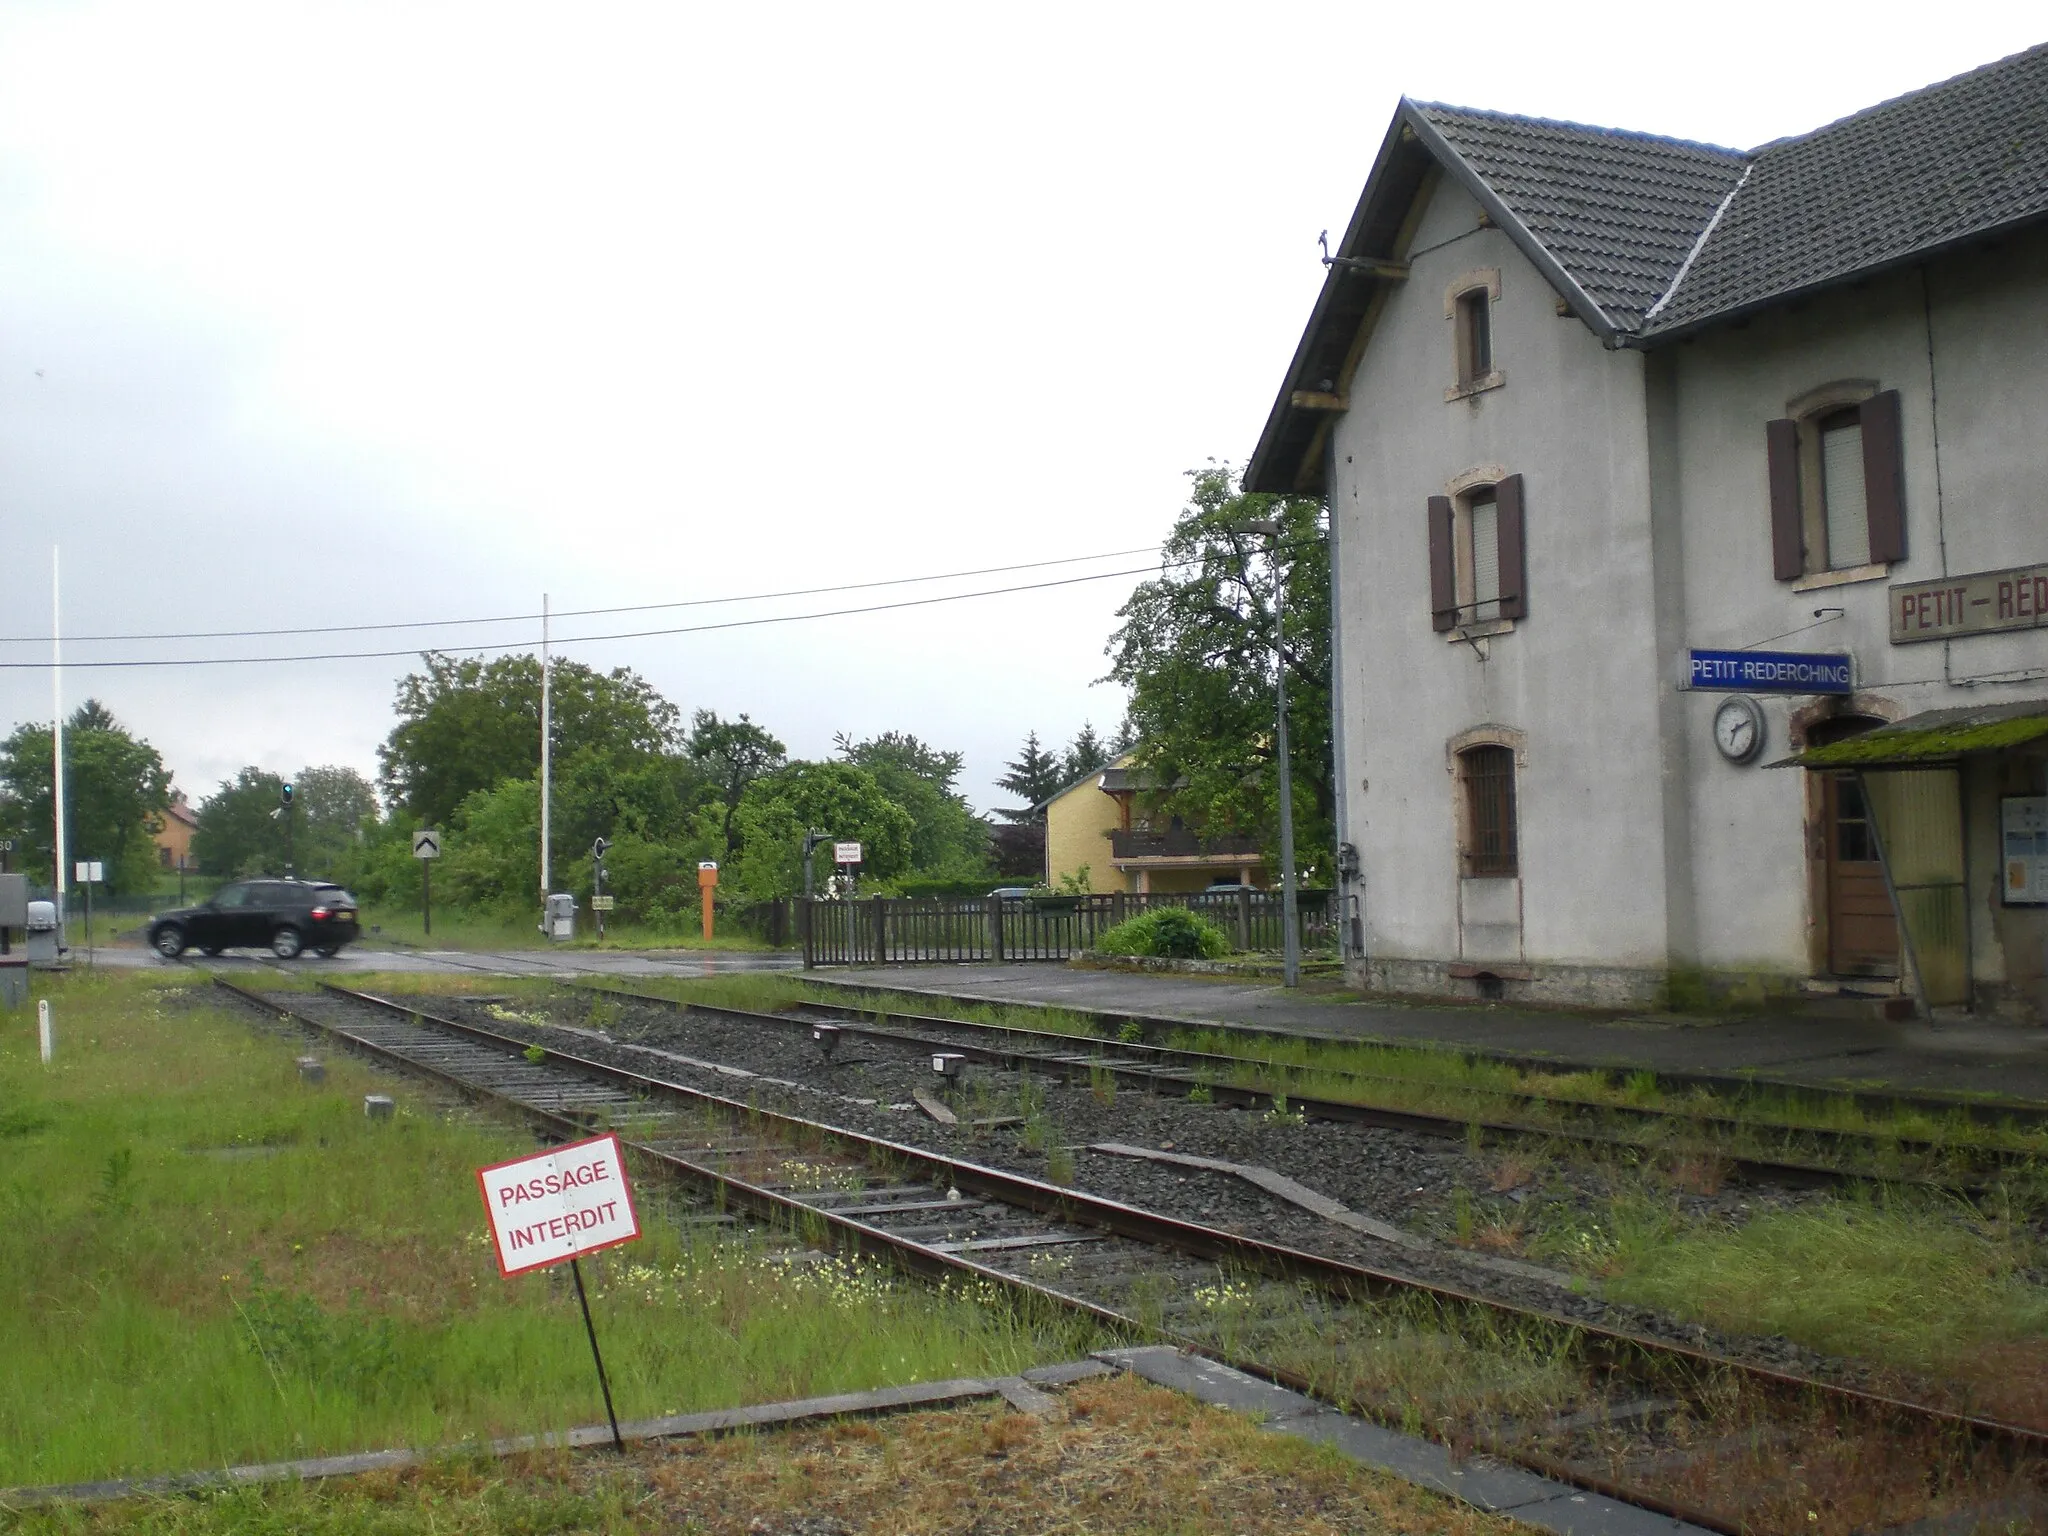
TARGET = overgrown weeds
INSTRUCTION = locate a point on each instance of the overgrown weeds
(222, 1264)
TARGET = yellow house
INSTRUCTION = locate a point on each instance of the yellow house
(1092, 825)
(174, 839)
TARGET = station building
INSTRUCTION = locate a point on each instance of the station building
(1691, 554)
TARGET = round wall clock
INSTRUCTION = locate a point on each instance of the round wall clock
(1739, 728)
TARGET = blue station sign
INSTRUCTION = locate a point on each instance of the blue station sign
(1768, 672)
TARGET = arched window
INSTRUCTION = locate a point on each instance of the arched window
(1490, 847)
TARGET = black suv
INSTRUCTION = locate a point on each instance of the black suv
(283, 916)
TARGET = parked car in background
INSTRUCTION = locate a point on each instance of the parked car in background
(285, 917)
(1011, 892)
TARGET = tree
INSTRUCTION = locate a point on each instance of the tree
(334, 805)
(1086, 753)
(472, 724)
(1033, 777)
(240, 831)
(1196, 652)
(732, 754)
(116, 791)
(946, 836)
(836, 798)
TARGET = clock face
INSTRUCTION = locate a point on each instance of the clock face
(1739, 729)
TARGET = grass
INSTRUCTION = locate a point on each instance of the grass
(209, 1263)
(1118, 1458)
(458, 929)
(1936, 1291)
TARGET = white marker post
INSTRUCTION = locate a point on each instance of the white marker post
(562, 1203)
(43, 1036)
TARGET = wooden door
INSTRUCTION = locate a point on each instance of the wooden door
(1863, 932)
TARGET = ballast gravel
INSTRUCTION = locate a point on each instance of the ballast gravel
(1451, 1193)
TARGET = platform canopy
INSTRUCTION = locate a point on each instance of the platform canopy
(1939, 736)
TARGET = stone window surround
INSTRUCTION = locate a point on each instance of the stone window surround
(1459, 488)
(1807, 410)
(1516, 742)
(1470, 282)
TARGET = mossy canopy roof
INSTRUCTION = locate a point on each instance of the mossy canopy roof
(1936, 736)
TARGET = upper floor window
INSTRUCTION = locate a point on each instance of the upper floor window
(1475, 336)
(1468, 305)
(1837, 483)
(1477, 568)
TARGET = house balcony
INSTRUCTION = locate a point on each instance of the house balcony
(1132, 850)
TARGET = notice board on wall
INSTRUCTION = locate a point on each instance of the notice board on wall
(2023, 841)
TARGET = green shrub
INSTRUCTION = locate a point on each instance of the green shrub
(1173, 932)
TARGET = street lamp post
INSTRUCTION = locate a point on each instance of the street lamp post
(1290, 905)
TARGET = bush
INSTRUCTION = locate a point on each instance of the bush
(1172, 932)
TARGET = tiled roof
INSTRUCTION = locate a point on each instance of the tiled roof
(1620, 211)
(1648, 238)
(1909, 176)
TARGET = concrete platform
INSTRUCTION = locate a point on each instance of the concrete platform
(1978, 1061)
(1479, 1481)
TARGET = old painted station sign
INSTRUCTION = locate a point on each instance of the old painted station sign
(1981, 604)
(1768, 672)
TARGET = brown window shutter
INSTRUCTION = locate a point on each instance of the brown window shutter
(1514, 563)
(1884, 477)
(1443, 567)
(1788, 542)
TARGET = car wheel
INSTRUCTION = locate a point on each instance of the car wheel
(209, 950)
(327, 951)
(168, 941)
(286, 943)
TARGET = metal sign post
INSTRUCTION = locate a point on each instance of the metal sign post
(88, 873)
(599, 902)
(426, 847)
(552, 1209)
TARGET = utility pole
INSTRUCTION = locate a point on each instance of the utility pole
(812, 838)
(291, 870)
(1290, 906)
(57, 737)
(546, 765)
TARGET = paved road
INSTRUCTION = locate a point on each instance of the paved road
(357, 960)
(1995, 1059)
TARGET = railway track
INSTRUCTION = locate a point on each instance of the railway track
(1724, 1444)
(1987, 1111)
(1172, 1070)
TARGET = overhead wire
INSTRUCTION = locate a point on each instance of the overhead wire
(583, 613)
(640, 634)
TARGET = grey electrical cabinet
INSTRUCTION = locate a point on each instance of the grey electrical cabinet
(43, 947)
(560, 922)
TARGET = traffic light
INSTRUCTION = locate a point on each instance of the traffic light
(597, 848)
(287, 793)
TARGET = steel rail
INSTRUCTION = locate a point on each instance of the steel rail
(908, 1254)
(860, 1237)
(1272, 1259)
(1744, 1168)
(1918, 1146)
(1984, 1110)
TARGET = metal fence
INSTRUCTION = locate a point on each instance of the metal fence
(884, 930)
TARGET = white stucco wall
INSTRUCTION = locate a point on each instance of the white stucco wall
(1579, 675)
(1986, 312)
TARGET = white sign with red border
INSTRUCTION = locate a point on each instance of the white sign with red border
(559, 1204)
(846, 853)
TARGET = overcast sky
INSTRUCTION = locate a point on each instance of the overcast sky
(363, 313)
